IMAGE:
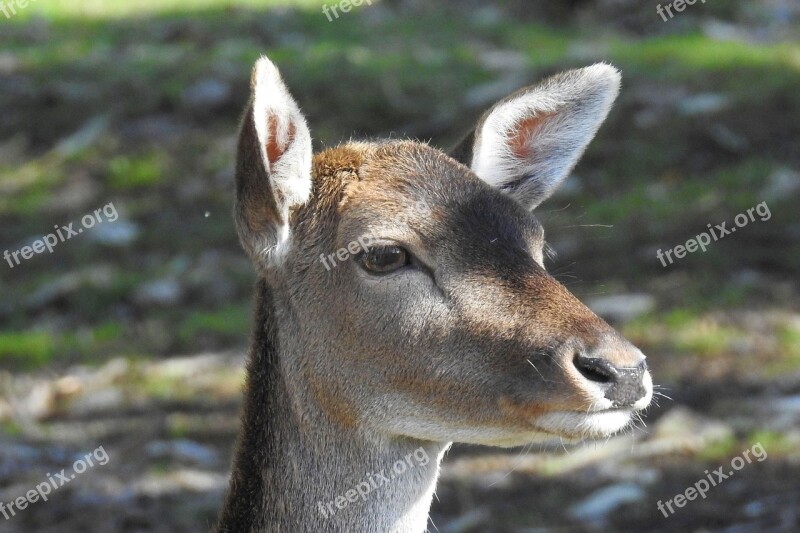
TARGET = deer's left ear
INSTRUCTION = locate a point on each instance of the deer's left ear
(529, 142)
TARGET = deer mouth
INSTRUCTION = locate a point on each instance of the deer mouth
(597, 423)
(613, 409)
(603, 419)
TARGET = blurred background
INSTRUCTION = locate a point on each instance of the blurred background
(131, 335)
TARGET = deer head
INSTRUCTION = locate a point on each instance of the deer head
(439, 322)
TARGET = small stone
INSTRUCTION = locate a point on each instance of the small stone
(163, 292)
(598, 505)
(183, 450)
(117, 233)
(781, 184)
(207, 94)
(699, 104)
(105, 399)
(683, 430)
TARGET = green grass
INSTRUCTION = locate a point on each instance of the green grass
(789, 339)
(789, 350)
(719, 449)
(231, 323)
(25, 188)
(131, 172)
(773, 442)
(703, 334)
(118, 9)
(35, 349)
(162, 388)
(686, 54)
(725, 192)
(11, 428)
(684, 331)
(28, 349)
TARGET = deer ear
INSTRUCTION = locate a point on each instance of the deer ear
(273, 166)
(529, 142)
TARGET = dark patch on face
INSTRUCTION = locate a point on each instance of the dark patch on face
(490, 234)
(470, 224)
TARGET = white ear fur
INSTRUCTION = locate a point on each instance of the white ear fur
(280, 125)
(284, 144)
(528, 143)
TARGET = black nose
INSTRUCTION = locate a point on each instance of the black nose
(623, 386)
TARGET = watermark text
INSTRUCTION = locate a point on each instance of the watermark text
(373, 481)
(344, 6)
(62, 233)
(678, 5)
(712, 479)
(702, 240)
(54, 482)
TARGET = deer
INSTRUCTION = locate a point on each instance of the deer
(446, 327)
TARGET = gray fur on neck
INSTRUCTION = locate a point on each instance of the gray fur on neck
(295, 469)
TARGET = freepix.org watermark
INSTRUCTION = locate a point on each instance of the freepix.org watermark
(344, 6)
(373, 481)
(54, 482)
(63, 233)
(352, 248)
(9, 8)
(712, 479)
(717, 232)
(677, 5)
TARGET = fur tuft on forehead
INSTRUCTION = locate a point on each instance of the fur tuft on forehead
(333, 170)
(340, 162)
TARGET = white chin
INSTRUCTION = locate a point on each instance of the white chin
(591, 425)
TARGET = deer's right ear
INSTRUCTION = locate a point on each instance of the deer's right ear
(273, 166)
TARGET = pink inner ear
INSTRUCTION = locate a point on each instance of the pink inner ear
(527, 128)
(275, 149)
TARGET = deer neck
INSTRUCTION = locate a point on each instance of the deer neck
(297, 470)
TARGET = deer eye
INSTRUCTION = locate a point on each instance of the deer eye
(384, 259)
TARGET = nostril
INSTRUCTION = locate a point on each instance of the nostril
(595, 369)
